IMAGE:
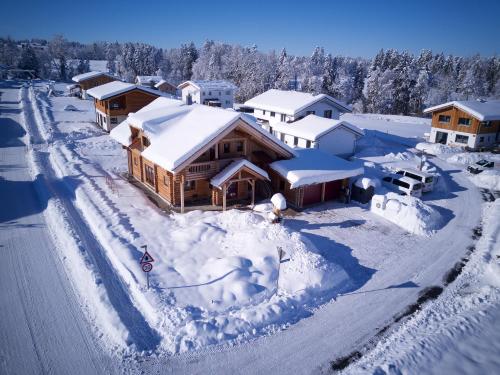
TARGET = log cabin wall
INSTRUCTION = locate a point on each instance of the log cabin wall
(475, 128)
(127, 102)
(96, 81)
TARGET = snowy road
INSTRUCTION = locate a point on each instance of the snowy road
(42, 327)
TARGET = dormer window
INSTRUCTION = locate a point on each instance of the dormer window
(464, 121)
(444, 118)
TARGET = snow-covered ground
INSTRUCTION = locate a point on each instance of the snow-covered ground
(346, 273)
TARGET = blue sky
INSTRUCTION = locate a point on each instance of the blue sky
(349, 27)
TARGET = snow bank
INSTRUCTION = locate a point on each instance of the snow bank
(366, 182)
(437, 148)
(487, 179)
(279, 201)
(408, 212)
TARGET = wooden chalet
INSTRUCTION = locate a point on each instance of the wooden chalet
(89, 80)
(199, 155)
(472, 123)
(115, 100)
(166, 87)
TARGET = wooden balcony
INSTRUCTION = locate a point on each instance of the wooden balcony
(207, 169)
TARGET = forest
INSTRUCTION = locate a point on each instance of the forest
(392, 82)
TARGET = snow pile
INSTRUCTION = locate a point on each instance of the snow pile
(487, 179)
(70, 108)
(408, 212)
(366, 182)
(400, 155)
(279, 201)
(437, 148)
(467, 158)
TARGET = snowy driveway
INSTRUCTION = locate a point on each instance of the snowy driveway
(42, 328)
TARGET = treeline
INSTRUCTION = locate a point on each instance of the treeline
(393, 82)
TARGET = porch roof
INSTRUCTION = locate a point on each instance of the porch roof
(223, 176)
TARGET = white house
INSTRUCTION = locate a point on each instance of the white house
(275, 106)
(331, 136)
(148, 81)
(211, 93)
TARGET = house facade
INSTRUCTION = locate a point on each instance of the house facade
(275, 106)
(166, 87)
(115, 100)
(212, 93)
(332, 136)
(90, 80)
(473, 123)
(224, 156)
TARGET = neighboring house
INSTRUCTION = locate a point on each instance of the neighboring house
(89, 80)
(332, 136)
(166, 87)
(274, 106)
(115, 100)
(471, 123)
(198, 155)
(148, 81)
(211, 93)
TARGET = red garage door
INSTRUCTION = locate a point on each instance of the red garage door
(332, 190)
(312, 194)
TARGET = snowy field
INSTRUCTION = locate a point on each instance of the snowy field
(220, 299)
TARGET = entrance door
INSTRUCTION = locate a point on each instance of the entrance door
(312, 194)
(441, 137)
(232, 191)
(332, 190)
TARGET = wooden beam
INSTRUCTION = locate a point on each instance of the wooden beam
(224, 191)
(323, 188)
(252, 184)
(217, 151)
(182, 194)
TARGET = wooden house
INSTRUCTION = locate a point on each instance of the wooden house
(147, 81)
(198, 155)
(166, 87)
(217, 93)
(471, 123)
(89, 80)
(115, 100)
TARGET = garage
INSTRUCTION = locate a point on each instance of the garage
(312, 194)
(332, 190)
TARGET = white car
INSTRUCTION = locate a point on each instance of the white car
(426, 179)
(403, 185)
(481, 165)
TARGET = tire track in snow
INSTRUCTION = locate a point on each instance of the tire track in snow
(141, 334)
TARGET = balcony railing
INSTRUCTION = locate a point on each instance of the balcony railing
(207, 169)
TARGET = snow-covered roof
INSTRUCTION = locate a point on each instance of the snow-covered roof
(209, 85)
(89, 75)
(162, 81)
(114, 88)
(483, 110)
(313, 166)
(144, 80)
(313, 127)
(290, 102)
(176, 132)
(233, 168)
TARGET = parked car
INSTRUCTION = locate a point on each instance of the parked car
(428, 180)
(403, 185)
(481, 166)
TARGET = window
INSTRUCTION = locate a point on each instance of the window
(461, 138)
(481, 139)
(428, 180)
(308, 144)
(414, 176)
(273, 114)
(282, 137)
(464, 121)
(189, 185)
(166, 180)
(204, 93)
(401, 183)
(485, 124)
(263, 111)
(239, 146)
(282, 185)
(150, 175)
(328, 113)
(228, 102)
(271, 129)
(283, 117)
(228, 92)
(113, 120)
(402, 173)
(210, 93)
(444, 118)
(310, 112)
(145, 142)
(226, 148)
(295, 141)
(387, 179)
